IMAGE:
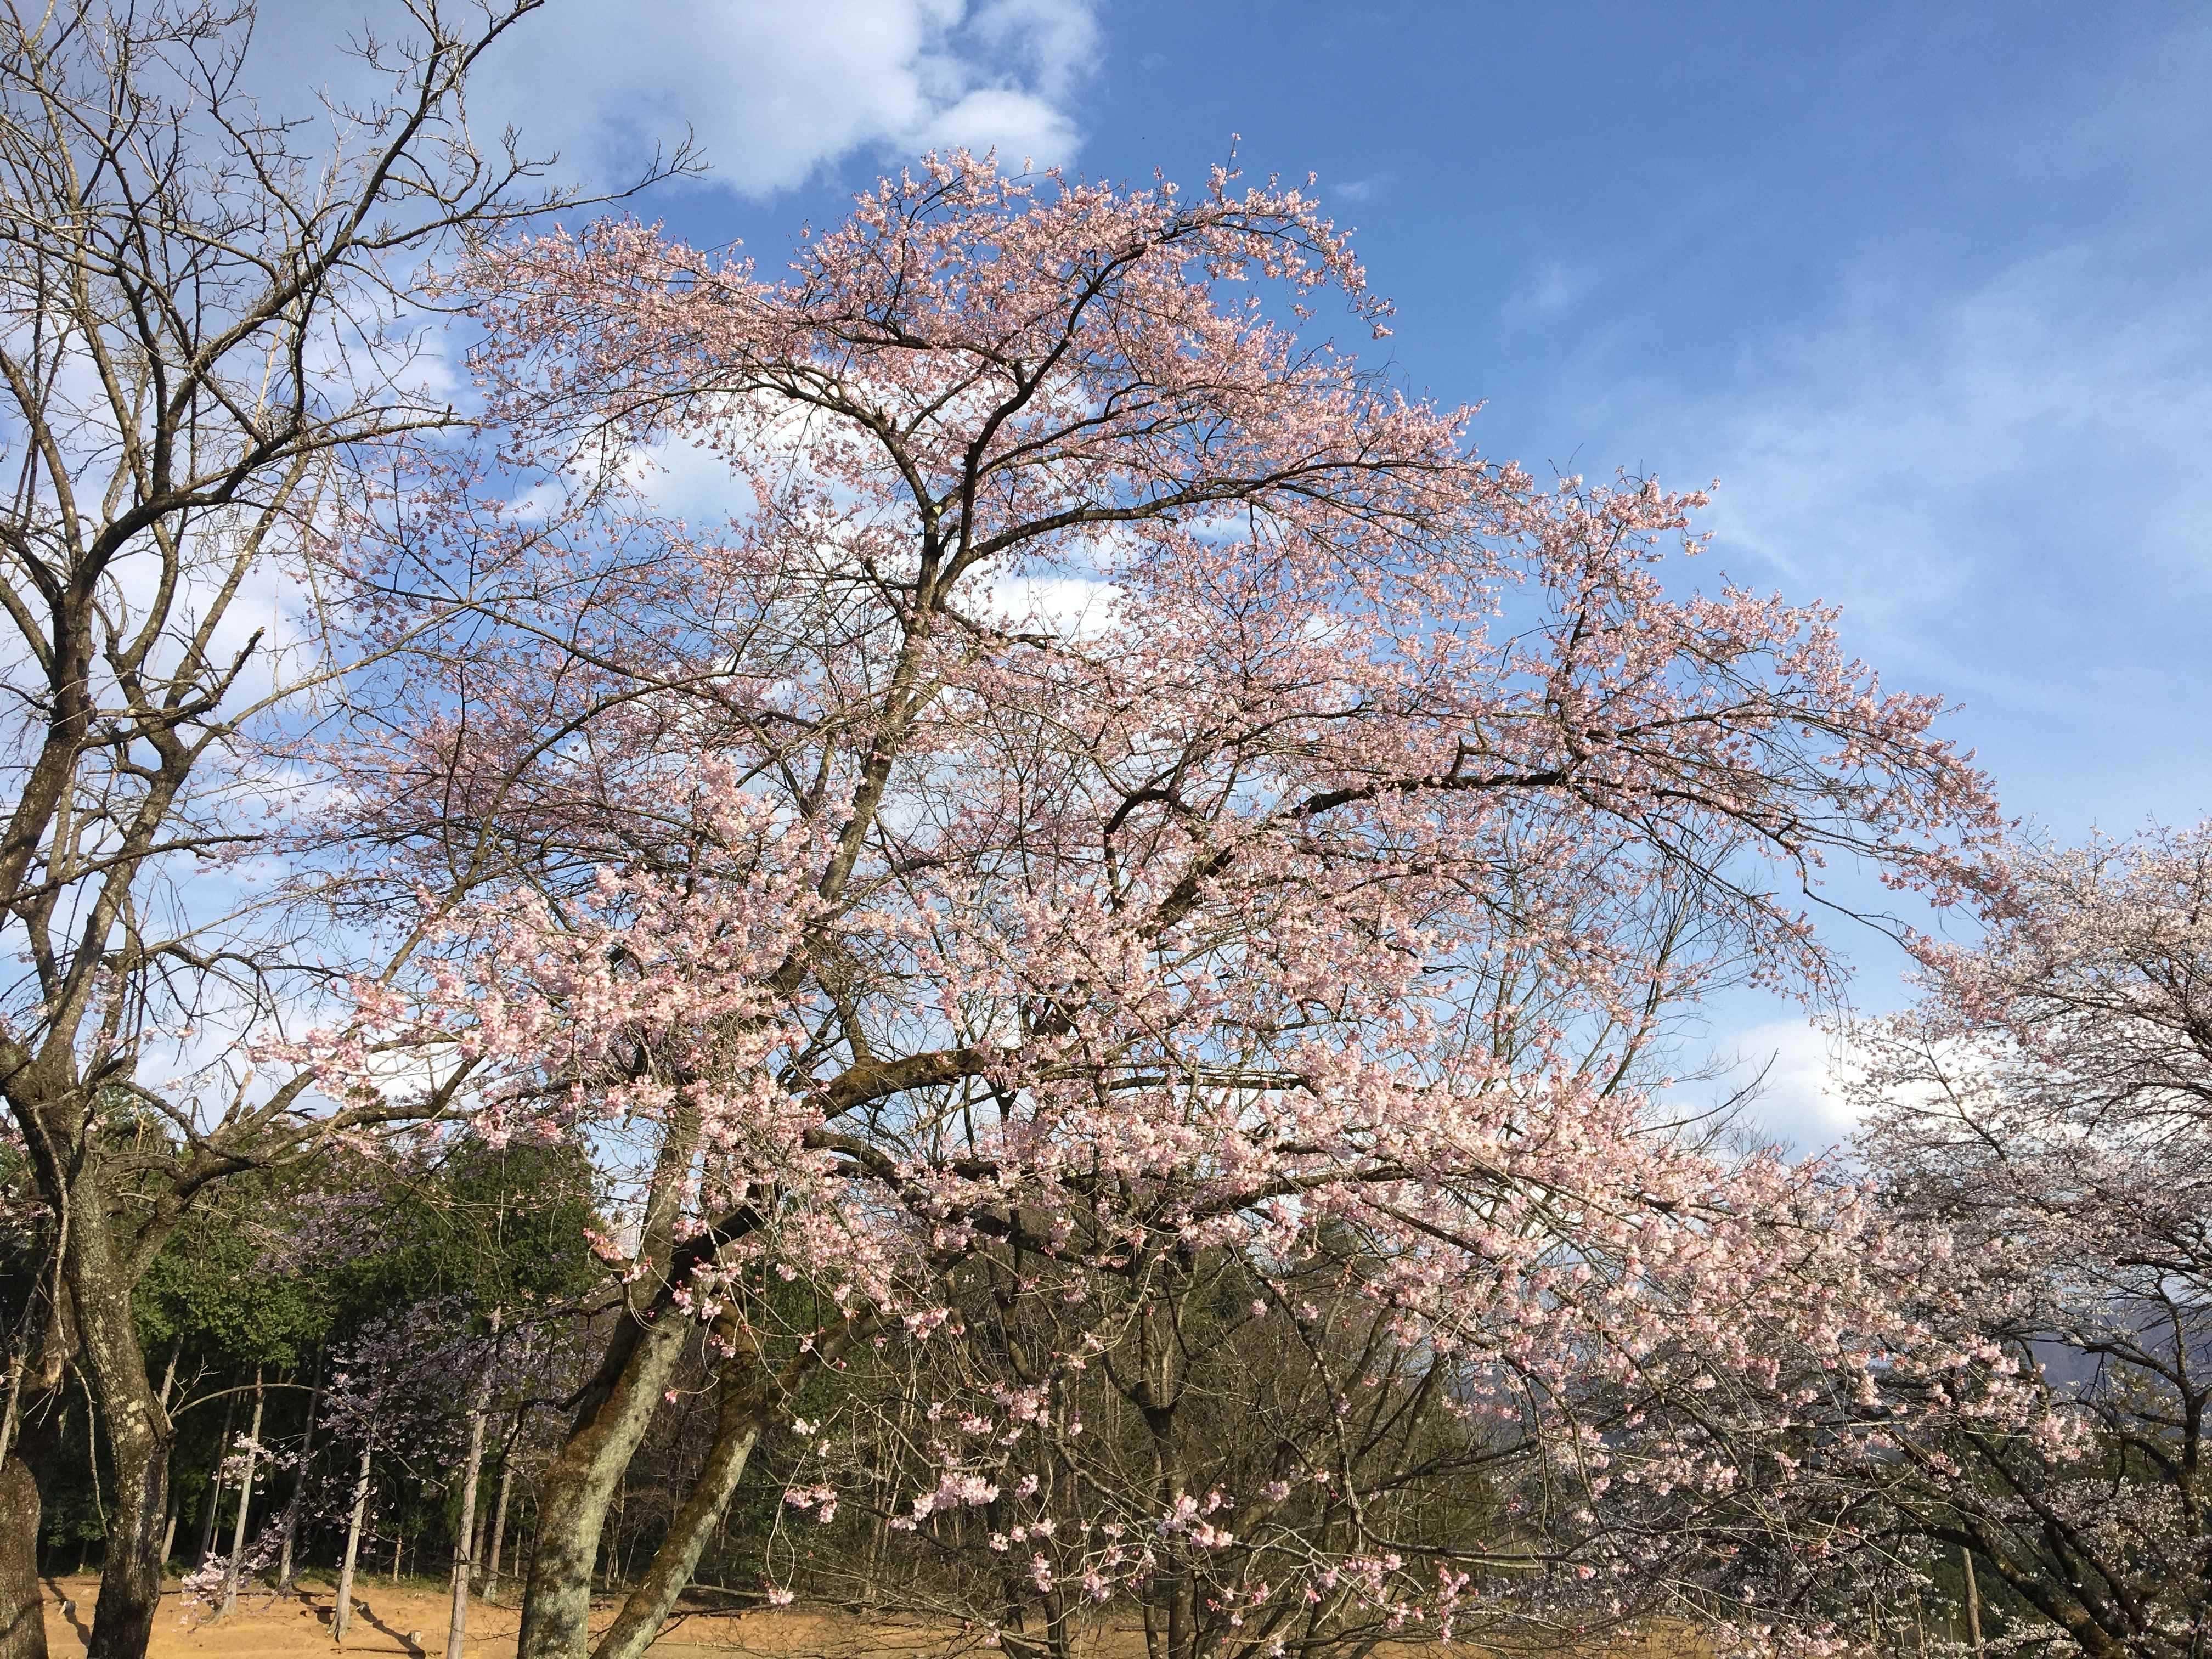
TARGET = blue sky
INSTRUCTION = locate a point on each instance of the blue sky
(1924, 288)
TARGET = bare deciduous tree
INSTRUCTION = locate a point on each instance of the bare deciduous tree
(208, 324)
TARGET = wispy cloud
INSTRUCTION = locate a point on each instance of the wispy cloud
(2006, 491)
(1552, 289)
(1896, 449)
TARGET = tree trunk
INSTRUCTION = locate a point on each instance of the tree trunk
(456, 1624)
(139, 1432)
(1974, 1603)
(343, 1615)
(22, 1610)
(1172, 1599)
(749, 1399)
(580, 1482)
(746, 1401)
(23, 1634)
(506, 1485)
(612, 1416)
(236, 1570)
(299, 1483)
(169, 1523)
(15, 1395)
(499, 1523)
(215, 1484)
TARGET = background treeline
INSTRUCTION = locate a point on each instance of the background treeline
(259, 1301)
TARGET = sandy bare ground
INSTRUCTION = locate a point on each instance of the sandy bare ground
(408, 1621)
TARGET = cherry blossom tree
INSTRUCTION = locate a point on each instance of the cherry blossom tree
(2048, 1103)
(1121, 791)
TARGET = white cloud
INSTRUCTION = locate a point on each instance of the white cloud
(1357, 190)
(1071, 607)
(773, 91)
(1021, 127)
(1794, 1072)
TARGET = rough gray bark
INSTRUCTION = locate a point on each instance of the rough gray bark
(580, 1485)
(22, 1617)
(22, 1611)
(748, 1401)
(139, 1437)
(612, 1416)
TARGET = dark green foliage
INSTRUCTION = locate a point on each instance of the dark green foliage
(273, 1273)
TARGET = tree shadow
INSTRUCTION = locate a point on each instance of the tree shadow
(68, 1611)
(325, 1613)
(361, 1611)
(322, 1601)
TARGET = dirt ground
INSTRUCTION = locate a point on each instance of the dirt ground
(408, 1621)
